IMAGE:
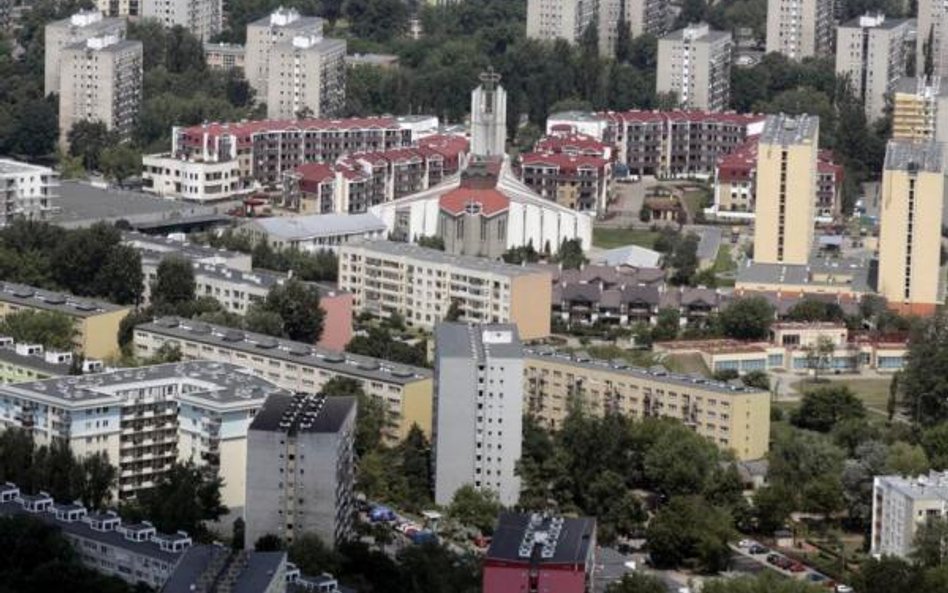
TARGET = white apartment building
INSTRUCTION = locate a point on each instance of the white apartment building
(932, 24)
(281, 25)
(299, 367)
(77, 28)
(478, 410)
(420, 284)
(560, 19)
(569, 19)
(101, 80)
(307, 77)
(870, 50)
(193, 180)
(301, 469)
(800, 28)
(145, 418)
(900, 505)
(694, 63)
(202, 18)
(27, 191)
(117, 8)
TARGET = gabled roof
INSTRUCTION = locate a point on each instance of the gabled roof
(491, 201)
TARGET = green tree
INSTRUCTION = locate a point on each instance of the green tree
(415, 452)
(121, 278)
(52, 329)
(379, 343)
(680, 461)
(379, 20)
(174, 285)
(312, 555)
(907, 460)
(747, 318)
(935, 441)
(765, 582)
(121, 162)
(758, 379)
(688, 529)
(87, 140)
(475, 508)
(810, 309)
(183, 498)
(924, 392)
(928, 548)
(667, 325)
(822, 408)
(888, 574)
(298, 306)
(268, 542)
(263, 322)
(772, 508)
(637, 582)
(570, 255)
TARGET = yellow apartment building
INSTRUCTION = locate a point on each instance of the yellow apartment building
(734, 418)
(786, 189)
(910, 216)
(919, 105)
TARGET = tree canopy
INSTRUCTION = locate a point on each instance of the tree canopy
(747, 318)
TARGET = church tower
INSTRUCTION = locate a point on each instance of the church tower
(488, 116)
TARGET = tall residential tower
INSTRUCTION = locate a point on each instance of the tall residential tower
(695, 64)
(83, 25)
(800, 28)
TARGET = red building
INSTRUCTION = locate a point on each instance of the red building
(533, 553)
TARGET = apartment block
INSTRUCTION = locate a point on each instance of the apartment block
(194, 181)
(900, 505)
(27, 191)
(800, 28)
(119, 8)
(96, 322)
(734, 418)
(932, 24)
(694, 63)
(146, 418)
(579, 182)
(202, 18)
(301, 469)
(281, 25)
(478, 410)
(77, 28)
(871, 51)
(785, 190)
(920, 109)
(911, 201)
(21, 362)
(405, 390)
(307, 77)
(101, 81)
(421, 284)
(560, 19)
(568, 19)
(642, 17)
(224, 56)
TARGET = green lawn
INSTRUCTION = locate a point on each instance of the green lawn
(724, 262)
(607, 238)
(873, 392)
(687, 364)
(695, 201)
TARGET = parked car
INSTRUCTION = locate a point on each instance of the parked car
(758, 550)
(746, 543)
(797, 567)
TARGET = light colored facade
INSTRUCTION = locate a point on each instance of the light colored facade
(785, 189)
(912, 199)
(96, 322)
(694, 63)
(30, 362)
(117, 8)
(420, 284)
(489, 117)
(282, 25)
(203, 18)
(736, 419)
(405, 390)
(900, 505)
(194, 181)
(301, 469)
(870, 50)
(28, 191)
(101, 80)
(478, 410)
(560, 19)
(800, 28)
(568, 19)
(79, 27)
(307, 77)
(146, 418)
(920, 109)
(932, 24)
(641, 16)
(224, 56)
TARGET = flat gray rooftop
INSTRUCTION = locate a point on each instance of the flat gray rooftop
(797, 274)
(913, 156)
(917, 86)
(933, 486)
(292, 228)
(32, 297)
(81, 204)
(365, 367)
(219, 384)
(478, 342)
(37, 363)
(157, 244)
(787, 130)
(303, 413)
(436, 256)
(255, 576)
(12, 167)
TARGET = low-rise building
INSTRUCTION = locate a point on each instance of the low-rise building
(193, 180)
(30, 191)
(224, 56)
(146, 418)
(376, 60)
(96, 322)
(30, 362)
(844, 278)
(301, 469)
(607, 295)
(421, 285)
(900, 505)
(734, 418)
(541, 552)
(405, 390)
(314, 232)
(216, 568)
(157, 246)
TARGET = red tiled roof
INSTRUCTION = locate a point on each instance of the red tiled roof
(678, 116)
(244, 130)
(571, 143)
(491, 201)
(564, 162)
(312, 175)
(739, 164)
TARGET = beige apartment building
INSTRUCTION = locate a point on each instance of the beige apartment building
(695, 64)
(870, 50)
(920, 109)
(304, 368)
(101, 80)
(786, 185)
(282, 25)
(307, 78)
(910, 215)
(933, 22)
(800, 28)
(900, 505)
(202, 18)
(420, 284)
(734, 418)
(568, 19)
(81, 26)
